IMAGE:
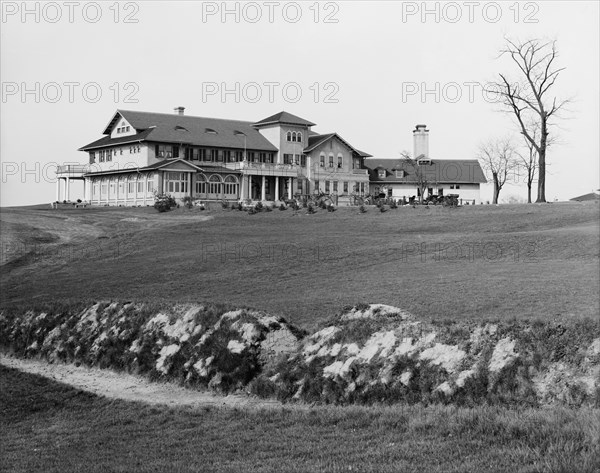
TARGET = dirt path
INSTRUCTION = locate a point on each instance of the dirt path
(132, 388)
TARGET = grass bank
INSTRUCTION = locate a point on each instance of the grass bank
(48, 426)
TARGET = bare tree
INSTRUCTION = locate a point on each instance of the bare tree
(529, 160)
(530, 99)
(497, 159)
(419, 171)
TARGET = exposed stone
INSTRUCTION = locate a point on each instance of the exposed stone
(235, 346)
(446, 356)
(503, 355)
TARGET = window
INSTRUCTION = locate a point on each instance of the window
(127, 128)
(356, 163)
(345, 187)
(289, 136)
(227, 155)
(381, 173)
(316, 185)
(140, 187)
(340, 160)
(331, 160)
(201, 186)
(95, 189)
(230, 185)
(326, 186)
(400, 174)
(121, 186)
(92, 157)
(299, 186)
(296, 159)
(131, 187)
(239, 156)
(322, 160)
(287, 159)
(335, 186)
(294, 136)
(176, 181)
(120, 151)
(214, 184)
(271, 158)
(112, 187)
(455, 186)
(303, 160)
(150, 187)
(163, 151)
(263, 157)
(299, 137)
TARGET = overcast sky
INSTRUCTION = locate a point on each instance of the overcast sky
(367, 70)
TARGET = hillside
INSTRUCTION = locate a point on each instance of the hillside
(481, 263)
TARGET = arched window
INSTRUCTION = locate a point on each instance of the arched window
(201, 184)
(294, 136)
(214, 184)
(330, 160)
(231, 185)
(340, 160)
(299, 137)
(289, 136)
(322, 160)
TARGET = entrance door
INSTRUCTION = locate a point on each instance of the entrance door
(176, 184)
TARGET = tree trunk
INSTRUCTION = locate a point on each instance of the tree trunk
(541, 195)
(496, 188)
(529, 192)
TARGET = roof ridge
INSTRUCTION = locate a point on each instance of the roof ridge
(188, 116)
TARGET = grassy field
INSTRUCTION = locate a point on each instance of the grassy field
(50, 427)
(471, 263)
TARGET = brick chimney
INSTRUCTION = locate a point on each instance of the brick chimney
(421, 141)
(179, 110)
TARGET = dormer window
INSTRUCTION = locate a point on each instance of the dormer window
(210, 131)
(381, 173)
(401, 174)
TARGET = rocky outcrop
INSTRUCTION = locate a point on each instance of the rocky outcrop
(366, 354)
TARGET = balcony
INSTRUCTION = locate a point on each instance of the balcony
(269, 169)
(360, 171)
(72, 170)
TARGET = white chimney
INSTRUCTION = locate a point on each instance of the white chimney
(179, 110)
(421, 141)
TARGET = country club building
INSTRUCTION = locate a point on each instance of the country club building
(400, 178)
(277, 158)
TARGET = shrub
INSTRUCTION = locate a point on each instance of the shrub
(224, 205)
(323, 205)
(282, 207)
(79, 201)
(252, 210)
(330, 208)
(164, 202)
(310, 209)
(188, 202)
(240, 206)
(362, 209)
(268, 208)
(259, 207)
(393, 204)
(382, 208)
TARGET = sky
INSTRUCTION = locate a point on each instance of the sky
(368, 70)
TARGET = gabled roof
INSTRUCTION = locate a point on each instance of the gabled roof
(586, 197)
(314, 141)
(442, 171)
(184, 129)
(167, 163)
(284, 118)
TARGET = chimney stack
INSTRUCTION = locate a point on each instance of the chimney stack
(179, 110)
(421, 141)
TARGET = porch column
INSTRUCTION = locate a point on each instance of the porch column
(58, 189)
(84, 189)
(242, 187)
(263, 189)
(289, 188)
(67, 190)
(276, 187)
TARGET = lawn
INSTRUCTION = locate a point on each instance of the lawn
(47, 426)
(471, 263)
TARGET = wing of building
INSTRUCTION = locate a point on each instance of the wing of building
(403, 178)
(143, 153)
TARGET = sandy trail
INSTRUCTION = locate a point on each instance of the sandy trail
(132, 388)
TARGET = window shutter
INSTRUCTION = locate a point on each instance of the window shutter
(156, 151)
